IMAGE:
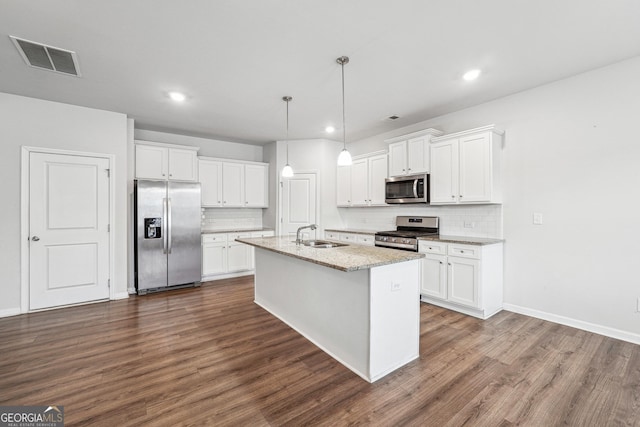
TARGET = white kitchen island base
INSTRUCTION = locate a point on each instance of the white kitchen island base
(368, 319)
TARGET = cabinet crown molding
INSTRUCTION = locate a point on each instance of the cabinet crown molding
(162, 144)
(218, 159)
(367, 155)
(488, 128)
(430, 131)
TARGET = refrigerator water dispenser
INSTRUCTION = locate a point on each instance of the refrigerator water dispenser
(153, 228)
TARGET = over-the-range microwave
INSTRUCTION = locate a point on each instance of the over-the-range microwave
(407, 189)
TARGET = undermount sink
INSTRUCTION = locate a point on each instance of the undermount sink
(322, 244)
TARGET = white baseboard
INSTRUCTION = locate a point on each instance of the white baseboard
(579, 324)
(227, 275)
(121, 295)
(7, 312)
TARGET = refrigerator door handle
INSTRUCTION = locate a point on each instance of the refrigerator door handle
(168, 226)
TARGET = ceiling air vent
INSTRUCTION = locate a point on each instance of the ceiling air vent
(47, 57)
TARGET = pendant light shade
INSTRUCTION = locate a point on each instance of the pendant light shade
(287, 170)
(344, 159)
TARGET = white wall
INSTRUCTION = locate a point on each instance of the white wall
(37, 123)
(572, 154)
(208, 147)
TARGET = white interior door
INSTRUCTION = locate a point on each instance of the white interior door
(298, 204)
(68, 229)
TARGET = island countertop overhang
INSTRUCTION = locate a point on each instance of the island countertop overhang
(344, 258)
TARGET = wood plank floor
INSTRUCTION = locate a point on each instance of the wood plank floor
(210, 356)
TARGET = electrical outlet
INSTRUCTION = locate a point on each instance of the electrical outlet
(469, 224)
(537, 219)
(395, 287)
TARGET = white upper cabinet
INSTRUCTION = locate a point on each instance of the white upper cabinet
(409, 154)
(210, 177)
(256, 189)
(362, 183)
(466, 167)
(343, 182)
(398, 158)
(165, 162)
(234, 184)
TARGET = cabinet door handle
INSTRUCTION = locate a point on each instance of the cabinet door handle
(453, 197)
(461, 196)
(442, 263)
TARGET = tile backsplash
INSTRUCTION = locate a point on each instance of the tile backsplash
(469, 220)
(230, 219)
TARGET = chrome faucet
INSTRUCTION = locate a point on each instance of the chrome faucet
(298, 239)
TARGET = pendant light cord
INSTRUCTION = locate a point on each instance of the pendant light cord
(287, 130)
(344, 126)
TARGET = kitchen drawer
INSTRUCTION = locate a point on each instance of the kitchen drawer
(332, 235)
(263, 234)
(234, 236)
(464, 251)
(431, 247)
(214, 238)
(348, 237)
(365, 239)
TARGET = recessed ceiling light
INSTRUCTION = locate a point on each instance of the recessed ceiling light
(329, 129)
(471, 75)
(177, 96)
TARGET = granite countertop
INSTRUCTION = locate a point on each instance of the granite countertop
(343, 258)
(462, 239)
(351, 230)
(238, 230)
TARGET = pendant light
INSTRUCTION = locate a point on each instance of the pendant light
(344, 159)
(287, 171)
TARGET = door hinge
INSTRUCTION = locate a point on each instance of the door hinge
(281, 221)
(108, 228)
(108, 283)
(108, 173)
(281, 184)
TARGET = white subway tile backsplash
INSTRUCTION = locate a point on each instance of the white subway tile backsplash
(230, 219)
(486, 219)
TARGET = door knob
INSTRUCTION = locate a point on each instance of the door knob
(35, 238)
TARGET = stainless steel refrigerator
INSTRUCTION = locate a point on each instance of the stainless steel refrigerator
(167, 235)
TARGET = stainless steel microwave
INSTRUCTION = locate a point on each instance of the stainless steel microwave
(407, 189)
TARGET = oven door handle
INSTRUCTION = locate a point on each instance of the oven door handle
(415, 188)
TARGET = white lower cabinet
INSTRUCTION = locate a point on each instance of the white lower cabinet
(214, 254)
(465, 278)
(223, 257)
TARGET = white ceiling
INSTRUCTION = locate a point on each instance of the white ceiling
(235, 59)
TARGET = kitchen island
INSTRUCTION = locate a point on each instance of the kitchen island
(359, 304)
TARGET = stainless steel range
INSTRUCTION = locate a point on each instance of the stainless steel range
(409, 228)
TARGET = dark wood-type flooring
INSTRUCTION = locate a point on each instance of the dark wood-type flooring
(210, 356)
